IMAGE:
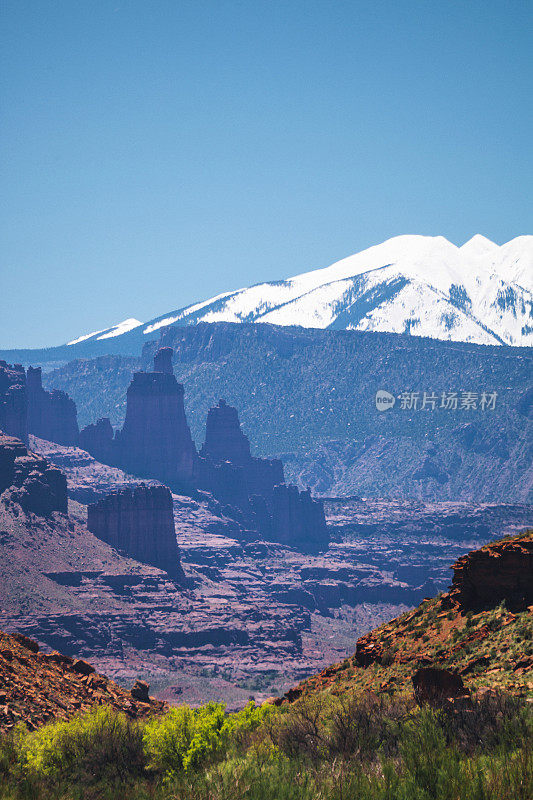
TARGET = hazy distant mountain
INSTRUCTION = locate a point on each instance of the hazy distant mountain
(424, 285)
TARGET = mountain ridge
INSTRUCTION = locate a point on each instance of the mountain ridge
(479, 293)
(476, 293)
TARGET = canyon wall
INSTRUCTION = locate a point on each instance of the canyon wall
(139, 522)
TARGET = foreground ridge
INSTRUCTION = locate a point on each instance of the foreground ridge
(482, 631)
(37, 687)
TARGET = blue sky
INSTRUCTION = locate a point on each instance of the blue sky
(156, 153)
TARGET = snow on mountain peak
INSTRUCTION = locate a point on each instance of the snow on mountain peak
(423, 285)
(479, 245)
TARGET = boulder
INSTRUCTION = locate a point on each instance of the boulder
(438, 687)
(140, 691)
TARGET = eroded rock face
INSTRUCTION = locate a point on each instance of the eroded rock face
(13, 401)
(155, 442)
(51, 415)
(28, 479)
(139, 522)
(256, 485)
(163, 360)
(496, 572)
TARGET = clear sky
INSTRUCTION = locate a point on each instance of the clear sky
(157, 152)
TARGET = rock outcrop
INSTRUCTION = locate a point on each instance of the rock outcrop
(25, 407)
(155, 441)
(39, 687)
(13, 401)
(256, 486)
(139, 522)
(496, 572)
(163, 360)
(51, 415)
(28, 479)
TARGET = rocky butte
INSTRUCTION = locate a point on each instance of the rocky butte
(139, 522)
(227, 469)
(257, 486)
(496, 572)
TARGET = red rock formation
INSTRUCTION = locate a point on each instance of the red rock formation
(297, 519)
(139, 522)
(38, 687)
(496, 572)
(227, 468)
(51, 415)
(13, 401)
(27, 479)
(155, 441)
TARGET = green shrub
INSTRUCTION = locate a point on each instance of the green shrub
(95, 746)
(185, 738)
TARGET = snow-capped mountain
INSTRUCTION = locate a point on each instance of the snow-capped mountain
(422, 285)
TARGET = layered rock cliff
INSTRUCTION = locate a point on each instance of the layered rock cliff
(28, 480)
(25, 407)
(51, 415)
(139, 522)
(297, 519)
(156, 441)
(496, 572)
